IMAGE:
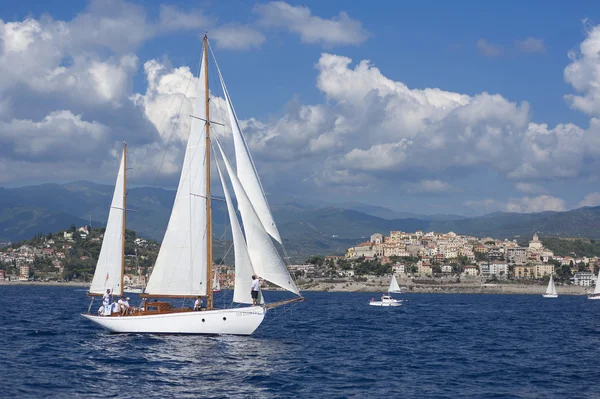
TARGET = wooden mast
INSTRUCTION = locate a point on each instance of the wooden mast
(124, 217)
(209, 293)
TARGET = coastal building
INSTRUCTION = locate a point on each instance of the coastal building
(424, 269)
(470, 270)
(24, 272)
(535, 244)
(2, 275)
(543, 269)
(516, 255)
(524, 272)
(584, 279)
(446, 269)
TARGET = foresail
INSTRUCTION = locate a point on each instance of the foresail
(394, 287)
(243, 265)
(109, 266)
(246, 172)
(264, 256)
(181, 264)
(597, 288)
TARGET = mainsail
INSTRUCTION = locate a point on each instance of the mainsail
(181, 265)
(246, 172)
(394, 287)
(597, 288)
(264, 256)
(551, 289)
(110, 262)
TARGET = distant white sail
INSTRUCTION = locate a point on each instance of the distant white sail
(181, 263)
(597, 288)
(109, 266)
(551, 289)
(264, 256)
(246, 171)
(394, 287)
(243, 265)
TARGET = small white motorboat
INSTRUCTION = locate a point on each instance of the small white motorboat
(386, 300)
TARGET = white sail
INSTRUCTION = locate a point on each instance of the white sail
(216, 285)
(264, 256)
(246, 172)
(551, 289)
(597, 288)
(180, 268)
(243, 265)
(109, 266)
(394, 287)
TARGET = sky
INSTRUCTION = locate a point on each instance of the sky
(426, 107)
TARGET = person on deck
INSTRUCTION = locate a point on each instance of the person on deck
(123, 306)
(198, 304)
(255, 290)
(115, 308)
(106, 300)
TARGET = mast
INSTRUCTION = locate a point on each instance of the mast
(209, 293)
(124, 216)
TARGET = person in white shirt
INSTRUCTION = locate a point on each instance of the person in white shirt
(115, 308)
(123, 306)
(198, 304)
(255, 290)
(106, 300)
(101, 310)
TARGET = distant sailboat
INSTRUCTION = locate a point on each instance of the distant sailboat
(183, 268)
(596, 294)
(551, 289)
(216, 284)
(394, 287)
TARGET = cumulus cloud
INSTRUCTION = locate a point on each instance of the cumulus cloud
(541, 203)
(530, 45)
(339, 30)
(592, 199)
(489, 49)
(530, 188)
(583, 73)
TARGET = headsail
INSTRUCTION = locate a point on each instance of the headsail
(394, 287)
(597, 288)
(109, 266)
(243, 265)
(264, 256)
(551, 289)
(181, 265)
(246, 172)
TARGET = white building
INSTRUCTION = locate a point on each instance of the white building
(583, 279)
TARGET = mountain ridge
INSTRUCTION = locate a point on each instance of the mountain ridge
(307, 227)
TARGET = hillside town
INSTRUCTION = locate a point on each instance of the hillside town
(431, 254)
(71, 255)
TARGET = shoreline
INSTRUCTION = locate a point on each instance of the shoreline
(379, 287)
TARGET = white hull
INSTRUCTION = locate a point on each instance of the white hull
(594, 296)
(550, 295)
(235, 321)
(128, 290)
(395, 292)
(379, 303)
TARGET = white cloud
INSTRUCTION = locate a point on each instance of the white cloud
(237, 37)
(340, 30)
(529, 188)
(592, 199)
(541, 203)
(489, 49)
(430, 187)
(583, 73)
(530, 45)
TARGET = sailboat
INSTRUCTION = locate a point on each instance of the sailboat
(394, 287)
(596, 294)
(551, 289)
(183, 268)
(216, 284)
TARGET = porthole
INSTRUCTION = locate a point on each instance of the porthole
(203, 320)
(224, 318)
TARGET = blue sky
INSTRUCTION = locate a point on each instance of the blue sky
(320, 127)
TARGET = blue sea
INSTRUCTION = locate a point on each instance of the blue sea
(334, 345)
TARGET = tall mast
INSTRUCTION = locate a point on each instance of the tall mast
(209, 293)
(124, 216)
